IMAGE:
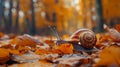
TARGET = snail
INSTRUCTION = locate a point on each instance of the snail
(84, 37)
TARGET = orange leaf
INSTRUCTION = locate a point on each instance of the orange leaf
(1, 34)
(4, 55)
(65, 48)
(109, 56)
(117, 27)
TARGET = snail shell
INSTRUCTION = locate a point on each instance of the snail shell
(84, 37)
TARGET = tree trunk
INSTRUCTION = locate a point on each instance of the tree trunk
(16, 28)
(9, 22)
(32, 25)
(99, 28)
(1, 14)
(85, 15)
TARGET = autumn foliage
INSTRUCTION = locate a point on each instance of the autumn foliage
(110, 56)
(29, 49)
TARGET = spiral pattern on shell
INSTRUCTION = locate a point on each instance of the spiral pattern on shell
(86, 38)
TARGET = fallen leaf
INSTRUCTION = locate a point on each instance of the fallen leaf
(109, 56)
(65, 48)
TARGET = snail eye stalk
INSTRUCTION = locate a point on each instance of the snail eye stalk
(54, 30)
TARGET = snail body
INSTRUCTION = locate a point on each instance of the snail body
(84, 37)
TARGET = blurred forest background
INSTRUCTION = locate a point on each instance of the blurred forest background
(34, 16)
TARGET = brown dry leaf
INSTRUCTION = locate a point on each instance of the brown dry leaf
(4, 55)
(35, 64)
(114, 34)
(65, 48)
(23, 50)
(101, 38)
(104, 37)
(11, 36)
(117, 27)
(26, 57)
(1, 34)
(98, 43)
(50, 42)
(109, 56)
(13, 51)
(24, 41)
(63, 65)
(48, 51)
(42, 51)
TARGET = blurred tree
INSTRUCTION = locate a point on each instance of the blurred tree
(17, 18)
(1, 13)
(99, 15)
(9, 22)
(32, 25)
(54, 17)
